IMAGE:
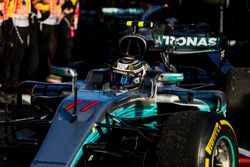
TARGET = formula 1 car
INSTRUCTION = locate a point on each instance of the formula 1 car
(134, 113)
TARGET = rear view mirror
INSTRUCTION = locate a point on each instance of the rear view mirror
(133, 45)
(65, 72)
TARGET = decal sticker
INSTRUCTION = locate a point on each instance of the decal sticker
(211, 142)
(122, 66)
(49, 162)
(187, 41)
(69, 107)
(89, 104)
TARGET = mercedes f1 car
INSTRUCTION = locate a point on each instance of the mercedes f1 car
(134, 113)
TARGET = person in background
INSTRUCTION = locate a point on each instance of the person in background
(66, 31)
(40, 10)
(46, 34)
(3, 14)
(3, 17)
(16, 35)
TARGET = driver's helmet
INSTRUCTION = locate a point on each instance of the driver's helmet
(128, 73)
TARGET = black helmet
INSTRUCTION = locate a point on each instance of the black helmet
(128, 72)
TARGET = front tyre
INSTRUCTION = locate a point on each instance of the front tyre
(197, 139)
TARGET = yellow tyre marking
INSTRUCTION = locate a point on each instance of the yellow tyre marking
(225, 122)
(211, 142)
(207, 162)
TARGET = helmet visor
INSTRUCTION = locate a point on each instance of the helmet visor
(121, 79)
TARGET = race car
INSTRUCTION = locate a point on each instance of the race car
(133, 113)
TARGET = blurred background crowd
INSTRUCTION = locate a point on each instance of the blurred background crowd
(34, 34)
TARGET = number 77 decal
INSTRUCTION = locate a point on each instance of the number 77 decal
(90, 103)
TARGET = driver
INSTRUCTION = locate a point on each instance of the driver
(128, 73)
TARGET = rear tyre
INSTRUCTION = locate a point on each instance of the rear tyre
(238, 98)
(197, 139)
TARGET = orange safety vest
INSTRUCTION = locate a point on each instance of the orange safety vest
(21, 11)
(75, 10)
(10, 4)
(22, 8)
(55, 7)
(55, 12)
(4, 10)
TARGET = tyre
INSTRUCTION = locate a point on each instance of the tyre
(237, 88)
(197, 139)
(238, 98)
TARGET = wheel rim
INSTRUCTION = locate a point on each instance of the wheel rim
(223, 154)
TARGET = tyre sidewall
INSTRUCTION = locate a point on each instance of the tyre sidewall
(188, 139)
(212, 128)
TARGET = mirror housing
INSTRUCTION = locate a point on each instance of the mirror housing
(134, 45)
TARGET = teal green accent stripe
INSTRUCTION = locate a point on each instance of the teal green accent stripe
(223, 109)
(204, 108)
(77, 157)
(133, 112)
(129, 112)
(175, 77)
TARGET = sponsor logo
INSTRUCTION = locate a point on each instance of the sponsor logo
(187, 41)
(49, 162)
(212, 140)
(122, 66)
